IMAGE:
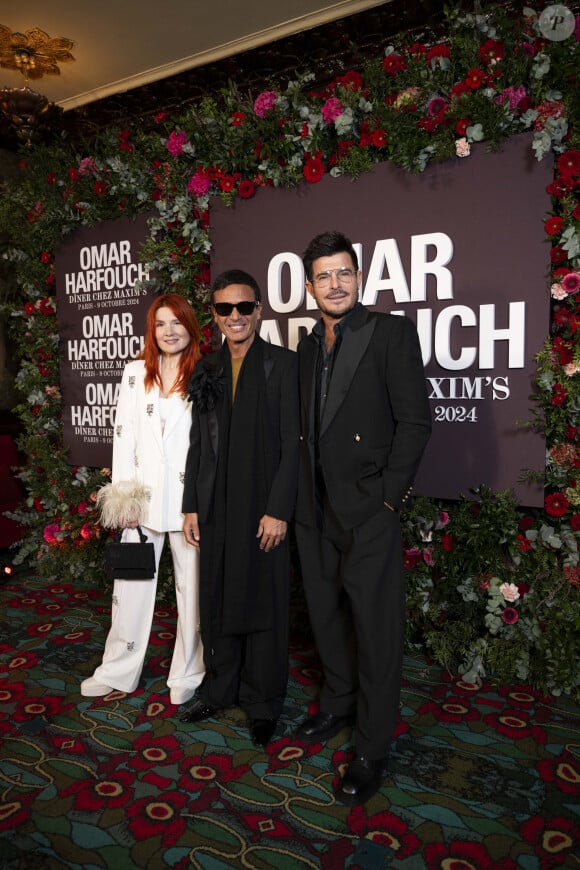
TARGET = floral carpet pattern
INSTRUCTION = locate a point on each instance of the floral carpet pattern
(478, 778)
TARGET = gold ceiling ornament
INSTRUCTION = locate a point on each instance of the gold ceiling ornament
(34, 53)
(26, 116)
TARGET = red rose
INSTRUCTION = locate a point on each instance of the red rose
(238, 118)
(100, 188)
(556, 504)
(313, 169)
(523, 588)
(447, 542)
(246, 189)
(575, 522)
(559, 395)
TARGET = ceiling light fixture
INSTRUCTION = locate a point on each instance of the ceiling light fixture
(35, 54)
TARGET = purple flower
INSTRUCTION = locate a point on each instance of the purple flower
(510, 615)
(571, 283)
(331, 110)
(264, 102)
(176, 142)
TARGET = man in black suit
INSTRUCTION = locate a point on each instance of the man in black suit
(239, 495)
(365, 423)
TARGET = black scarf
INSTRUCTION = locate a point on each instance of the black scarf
(246, 469)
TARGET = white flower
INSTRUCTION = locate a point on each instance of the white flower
(509, 591)
(557, 291)
(462, 147)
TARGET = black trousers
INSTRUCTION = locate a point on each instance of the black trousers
(247, 670)
(250, 671)
(353, 583)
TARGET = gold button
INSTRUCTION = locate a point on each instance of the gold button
(357, 437)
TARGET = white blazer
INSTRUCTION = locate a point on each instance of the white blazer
(142, 452)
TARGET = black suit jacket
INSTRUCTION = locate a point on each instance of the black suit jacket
(376, 420)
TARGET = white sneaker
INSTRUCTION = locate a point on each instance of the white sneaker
(181, 695)
(90, 688)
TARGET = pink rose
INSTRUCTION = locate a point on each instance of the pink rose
(509, 591)
(557, 291)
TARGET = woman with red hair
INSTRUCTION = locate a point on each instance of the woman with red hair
(150, 444)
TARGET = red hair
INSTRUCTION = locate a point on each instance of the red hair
(183, 311)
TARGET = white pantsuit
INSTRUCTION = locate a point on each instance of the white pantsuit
(150, 444)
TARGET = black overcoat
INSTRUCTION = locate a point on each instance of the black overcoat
(231, 483)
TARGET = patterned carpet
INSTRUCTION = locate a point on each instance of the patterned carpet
(478, 778)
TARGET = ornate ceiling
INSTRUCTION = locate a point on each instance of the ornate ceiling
(327, 50)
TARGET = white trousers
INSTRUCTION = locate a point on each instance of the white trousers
(132, 618)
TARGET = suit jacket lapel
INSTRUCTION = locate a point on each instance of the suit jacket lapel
(354, 344)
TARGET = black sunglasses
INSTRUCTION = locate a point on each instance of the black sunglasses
(224, 309)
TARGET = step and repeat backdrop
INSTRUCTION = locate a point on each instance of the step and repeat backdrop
(460, 249)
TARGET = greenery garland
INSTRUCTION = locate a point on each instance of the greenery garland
(493, 591)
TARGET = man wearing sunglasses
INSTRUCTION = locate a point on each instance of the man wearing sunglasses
(365, 424)
(239, 495)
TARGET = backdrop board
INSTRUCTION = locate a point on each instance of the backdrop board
(459, 248)
(101, 314)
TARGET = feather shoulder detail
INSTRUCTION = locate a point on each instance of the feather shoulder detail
(205, 387)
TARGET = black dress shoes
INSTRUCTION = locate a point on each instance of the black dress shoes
(321, 726)
(361, 780)
(198, 711)
(261, 731)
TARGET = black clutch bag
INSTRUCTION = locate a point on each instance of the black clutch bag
(130, 560)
